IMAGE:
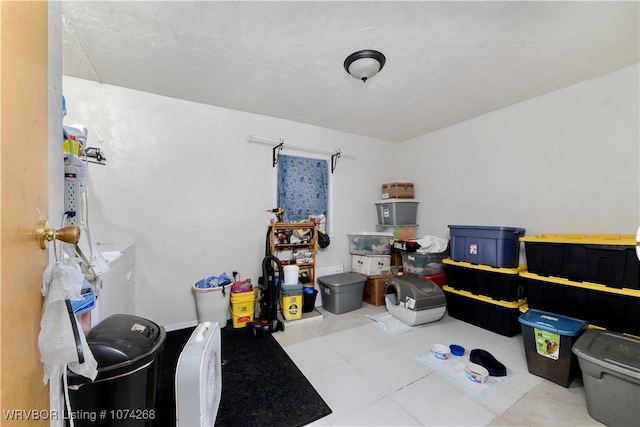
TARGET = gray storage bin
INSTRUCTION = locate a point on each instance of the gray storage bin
(610, 364)
(291, 290)
(397, 211)
(342, 292)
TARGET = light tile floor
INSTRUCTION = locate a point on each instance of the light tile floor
(371, 378)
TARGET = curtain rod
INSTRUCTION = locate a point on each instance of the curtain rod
(262, 140)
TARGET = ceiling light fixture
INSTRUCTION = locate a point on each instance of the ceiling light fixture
(364, 64)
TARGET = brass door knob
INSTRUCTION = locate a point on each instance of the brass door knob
(69, 234)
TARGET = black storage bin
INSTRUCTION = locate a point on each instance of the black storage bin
(603, 259)
(500, 317)
(617, 310)
(503, 284)
(127, 349)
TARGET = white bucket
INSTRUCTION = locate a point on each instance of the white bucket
(291, 274)
(212, 304)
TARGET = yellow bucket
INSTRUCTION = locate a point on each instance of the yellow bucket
(291, 307)
(242, 308)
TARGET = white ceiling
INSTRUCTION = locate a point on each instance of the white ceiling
(446, 61)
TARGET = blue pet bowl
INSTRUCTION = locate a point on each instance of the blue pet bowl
(456, 350)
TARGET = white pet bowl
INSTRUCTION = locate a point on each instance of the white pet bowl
(476, 373)
(440, 351)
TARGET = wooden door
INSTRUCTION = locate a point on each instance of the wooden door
(23, 201)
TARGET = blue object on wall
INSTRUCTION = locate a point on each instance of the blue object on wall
(303, 187)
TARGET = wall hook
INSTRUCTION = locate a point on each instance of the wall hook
(276, 149)
(334, 160)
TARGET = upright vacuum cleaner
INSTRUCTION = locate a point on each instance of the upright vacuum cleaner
(268, 321)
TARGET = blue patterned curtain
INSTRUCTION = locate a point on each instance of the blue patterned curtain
(302, 187)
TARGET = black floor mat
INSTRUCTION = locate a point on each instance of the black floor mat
(261, 386)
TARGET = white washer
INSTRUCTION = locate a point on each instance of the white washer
(117, 293)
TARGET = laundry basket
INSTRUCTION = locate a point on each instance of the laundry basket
(212, 304)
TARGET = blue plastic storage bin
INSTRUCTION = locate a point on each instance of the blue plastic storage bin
(486, 245)
(548, 339)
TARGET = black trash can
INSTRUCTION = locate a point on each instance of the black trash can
(128, 350)
(308, 299)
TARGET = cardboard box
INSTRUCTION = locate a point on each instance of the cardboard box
(371, 265)
(374, 290)
(397, 190)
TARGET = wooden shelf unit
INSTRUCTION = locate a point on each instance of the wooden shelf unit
(281, 248)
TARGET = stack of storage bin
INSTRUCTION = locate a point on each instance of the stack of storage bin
(371, 257)
(397, 214)
(590, 277)
(483, 281)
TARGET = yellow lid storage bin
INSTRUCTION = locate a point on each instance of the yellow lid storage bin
(500, 317)
(498, 283)
(614, 309)
(607, 259)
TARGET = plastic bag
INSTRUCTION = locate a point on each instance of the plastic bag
(323, 239)
(57, 339)
(432, 245)
(213, 281)
(242, 286)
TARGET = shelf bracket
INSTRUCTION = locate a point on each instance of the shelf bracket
(334, 160)
(274, 156)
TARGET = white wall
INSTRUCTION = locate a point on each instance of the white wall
(565, 162)
(185, 186)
